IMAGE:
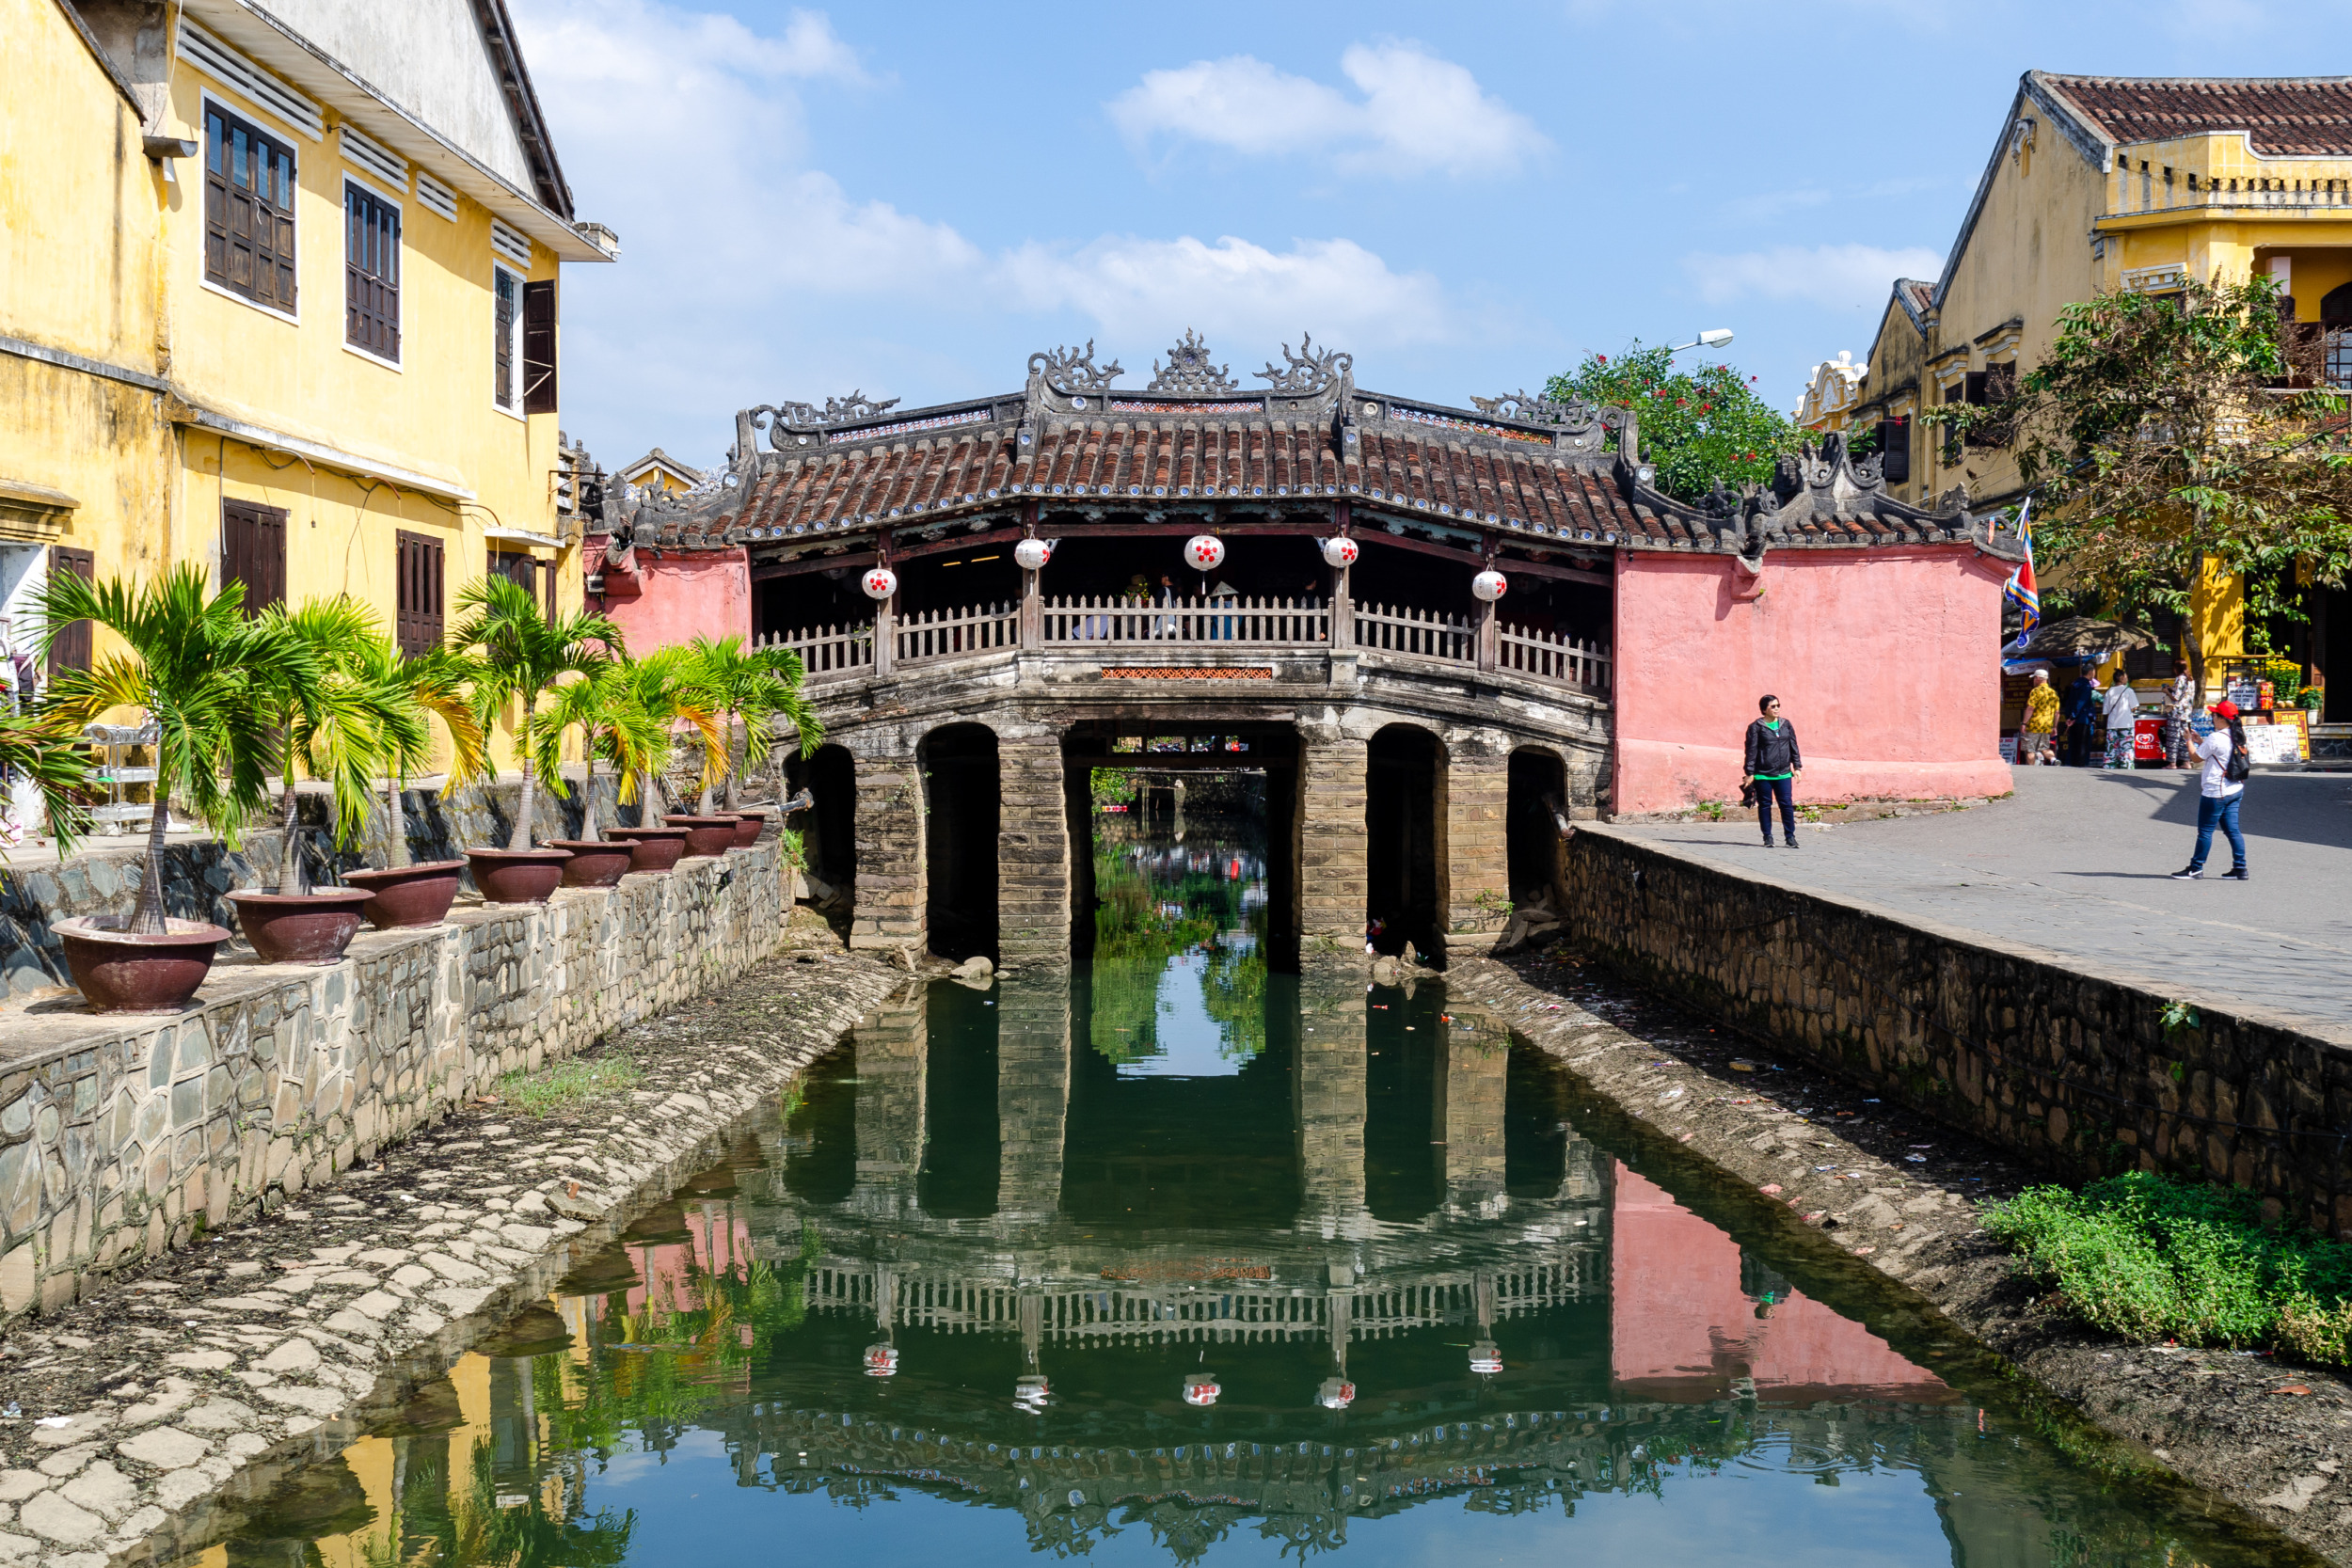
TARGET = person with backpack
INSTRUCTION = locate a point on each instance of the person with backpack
(1771, 766)
(2226, 764)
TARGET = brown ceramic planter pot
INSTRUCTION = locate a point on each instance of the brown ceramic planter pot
(705, 835)
(653, 848)
(121, 972)
(517, 876)
(748, 825)
(408, 895)
(310, 927)
(594, 863)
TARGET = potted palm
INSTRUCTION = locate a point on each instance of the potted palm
(45, 750)
(754, 688)
(521, 653)
(202, 671)
(334, 719)
(432, 685)
(595, 703)
(664, 692)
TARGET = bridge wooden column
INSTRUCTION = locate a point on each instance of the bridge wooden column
(893, 1047)
(1332, 1098)
(1468, 1117)
(1331, 863)
(1032, 1094)
(1032, 851)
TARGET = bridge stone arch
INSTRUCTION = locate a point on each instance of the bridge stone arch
(960, 790)
(1536, 820)
(1405, 838)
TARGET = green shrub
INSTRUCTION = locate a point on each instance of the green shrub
(2147, 1257)
(569, 1085)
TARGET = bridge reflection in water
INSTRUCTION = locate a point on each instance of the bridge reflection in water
(1355, 1259)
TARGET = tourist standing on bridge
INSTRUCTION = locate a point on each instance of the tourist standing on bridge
(2225, 766)
(1772, 765)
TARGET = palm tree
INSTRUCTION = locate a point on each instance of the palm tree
(202, 669)
(757, 688)
(430, 685)
(335, 719)
(521, 653)
(628, 711)
(44, 748)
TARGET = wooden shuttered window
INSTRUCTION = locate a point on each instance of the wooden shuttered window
(539, 347)
(506, 304)
(248, 210)
(417, 625)
(371, 274)
(72, 650)
(253, 552)
(1895, 446)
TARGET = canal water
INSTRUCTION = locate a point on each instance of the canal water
(1181, 1260)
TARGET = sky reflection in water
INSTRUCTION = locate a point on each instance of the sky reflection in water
(1176, 1167)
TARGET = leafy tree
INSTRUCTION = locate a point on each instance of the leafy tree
(1698, 427)
(2165, 438)
(203, 670)
(522, 654)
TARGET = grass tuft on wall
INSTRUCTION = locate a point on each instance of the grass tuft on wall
(2148, 1257)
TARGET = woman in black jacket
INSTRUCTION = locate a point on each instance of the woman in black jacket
(1771, 766)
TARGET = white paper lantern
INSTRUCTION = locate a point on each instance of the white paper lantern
(1489, 586)
(1204, 552)
(1337, 1393)
(882, 1360)
(1340, 550)
(1032, 553)
(1202, 1389)
(879, 584)
(1485, 1359)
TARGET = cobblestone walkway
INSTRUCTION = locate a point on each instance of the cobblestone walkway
(2078, 864)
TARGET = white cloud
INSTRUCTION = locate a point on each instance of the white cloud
(1836, 276)
(1142, 291)
(748, 276)
(1418, 113)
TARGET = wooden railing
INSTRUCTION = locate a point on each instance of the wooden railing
(1075, 624)
(1255, 622)
(1549, 656)
(929, 634)
(1422, 633)
(830, 652)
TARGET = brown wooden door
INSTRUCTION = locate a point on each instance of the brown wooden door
(253, 552)
(72, 650)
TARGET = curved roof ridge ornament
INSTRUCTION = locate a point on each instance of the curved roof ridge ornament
(780, 416)
(1074, 372)
(1307, 371)
(1189, 373)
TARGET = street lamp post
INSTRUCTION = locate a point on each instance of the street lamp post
(1715, 337)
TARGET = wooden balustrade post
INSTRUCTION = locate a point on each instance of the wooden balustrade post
(1032, 612)
(1490, 638)
(885, 636)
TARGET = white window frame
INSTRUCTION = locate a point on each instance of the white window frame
(210, 100)
(514, 348)
(400, 322)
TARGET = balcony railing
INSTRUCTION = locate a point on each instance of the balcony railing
(1075, 624)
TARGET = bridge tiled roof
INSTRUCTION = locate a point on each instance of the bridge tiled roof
(1193, 443)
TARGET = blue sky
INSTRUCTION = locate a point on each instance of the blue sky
(908, 200)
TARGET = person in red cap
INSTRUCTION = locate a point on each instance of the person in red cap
(2225, 766)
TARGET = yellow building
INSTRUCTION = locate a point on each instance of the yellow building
(280, 297)
(1833, 393)
(2111, 184)
(659, 470)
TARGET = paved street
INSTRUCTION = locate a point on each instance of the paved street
(2078, 863)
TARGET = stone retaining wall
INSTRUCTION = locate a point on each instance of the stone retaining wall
(122, 1134)
(2076, 1071)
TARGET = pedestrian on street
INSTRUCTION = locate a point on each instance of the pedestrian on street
(2037, 737)
(2082, 717)
(2123, 710)
(2180, 707)
(1773, 765)
(2226, 764)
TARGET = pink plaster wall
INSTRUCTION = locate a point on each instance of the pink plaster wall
(677, 597)
(1885, 659)
(1681, 1329)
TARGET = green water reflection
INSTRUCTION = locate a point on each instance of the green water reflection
(1440, 1319)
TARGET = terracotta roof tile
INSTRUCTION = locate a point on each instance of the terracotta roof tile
(2310, 115)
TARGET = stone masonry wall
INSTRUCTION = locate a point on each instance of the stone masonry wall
(2077, 1072)
(121, 1134)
